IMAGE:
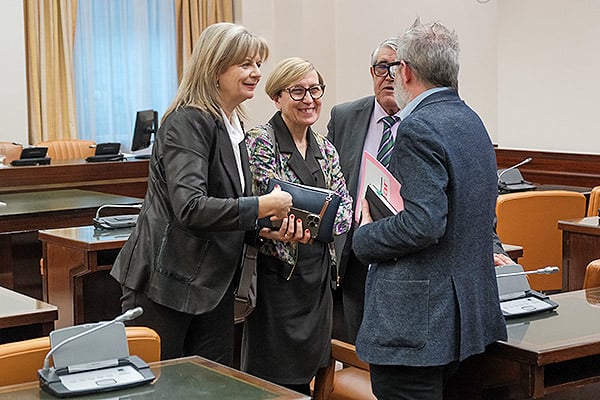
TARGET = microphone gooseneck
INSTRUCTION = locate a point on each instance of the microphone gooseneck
(502, 172)
(126, 316)
(541, 271)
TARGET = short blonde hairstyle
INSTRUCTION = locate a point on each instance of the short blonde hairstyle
(220, 46)
(286, 72)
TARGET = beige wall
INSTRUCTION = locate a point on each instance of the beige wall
(528, 67)
(13, 91)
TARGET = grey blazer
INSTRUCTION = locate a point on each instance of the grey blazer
(188, 241)
(431, 292)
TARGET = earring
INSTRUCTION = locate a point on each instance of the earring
(217, 84)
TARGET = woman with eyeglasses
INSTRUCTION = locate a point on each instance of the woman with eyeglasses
(287, 337)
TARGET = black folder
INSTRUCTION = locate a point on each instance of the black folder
(379, 206)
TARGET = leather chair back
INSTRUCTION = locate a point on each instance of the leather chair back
(594, 202)
(10, 151)
(352, 382)
(530, 219)
(69, 149)
(19, 361)
(592, 275)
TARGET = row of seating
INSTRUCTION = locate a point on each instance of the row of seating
(58, 149)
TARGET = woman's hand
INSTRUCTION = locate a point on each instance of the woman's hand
(291, 230)
(277, 203)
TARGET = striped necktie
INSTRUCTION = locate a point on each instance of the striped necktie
(384, 154)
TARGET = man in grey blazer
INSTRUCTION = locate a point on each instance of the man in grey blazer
(354, 127)
(431, 297)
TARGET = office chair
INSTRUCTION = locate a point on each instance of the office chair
(592, 274)
(69, 149)
(10, 151)
(349, 383)
(19, 361)
(530, 219)
(594, 202)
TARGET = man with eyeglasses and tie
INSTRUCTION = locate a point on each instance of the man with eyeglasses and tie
(368, 124)
(354, 127)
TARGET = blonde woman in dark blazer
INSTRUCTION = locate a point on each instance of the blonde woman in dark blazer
(181, 261)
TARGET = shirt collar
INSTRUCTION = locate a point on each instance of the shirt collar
(379, 112)
(405, 112)
(234, 127)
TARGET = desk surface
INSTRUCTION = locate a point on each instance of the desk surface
(30, 211)
(185, 378)
(17, 310)
(58, 200)
(87, 237)
(551, 355)
(555, 336)
(587, 225)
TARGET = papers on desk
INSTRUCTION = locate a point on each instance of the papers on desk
(382, 181)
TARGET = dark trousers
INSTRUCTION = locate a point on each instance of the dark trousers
(397, 382)
(210, 335)
(353, 296)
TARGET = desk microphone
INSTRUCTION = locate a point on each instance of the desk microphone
(126, 316)
(525, 161)
(541, 271)
(136, 206)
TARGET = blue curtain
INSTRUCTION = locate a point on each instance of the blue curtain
(125, 55)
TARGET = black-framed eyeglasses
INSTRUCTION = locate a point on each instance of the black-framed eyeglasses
(297, 93)
(384, 69)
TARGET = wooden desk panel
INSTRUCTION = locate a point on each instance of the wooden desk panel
(581, 244)
(125, 178)
(22, 317)
(75, 273)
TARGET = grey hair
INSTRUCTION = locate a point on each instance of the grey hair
(431, 51)
(390, 43)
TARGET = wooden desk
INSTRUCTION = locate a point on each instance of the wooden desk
(75, 272)
(26, 213)
(22, 317)
(183, 378)
(554, 355)
(581, 244)
(125, 178)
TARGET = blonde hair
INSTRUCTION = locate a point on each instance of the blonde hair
(220, 46)
(286, 72)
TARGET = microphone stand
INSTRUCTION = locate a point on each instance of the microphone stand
(127, 316)
(525, 161)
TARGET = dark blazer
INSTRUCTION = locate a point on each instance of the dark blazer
(189, 236)
(347, 130)
(431, 292)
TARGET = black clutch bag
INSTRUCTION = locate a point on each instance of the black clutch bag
(316, 207)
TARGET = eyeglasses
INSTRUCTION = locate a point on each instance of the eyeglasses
(298, 93)
(386, 69)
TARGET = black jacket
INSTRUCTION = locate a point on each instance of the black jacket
(188, 241)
